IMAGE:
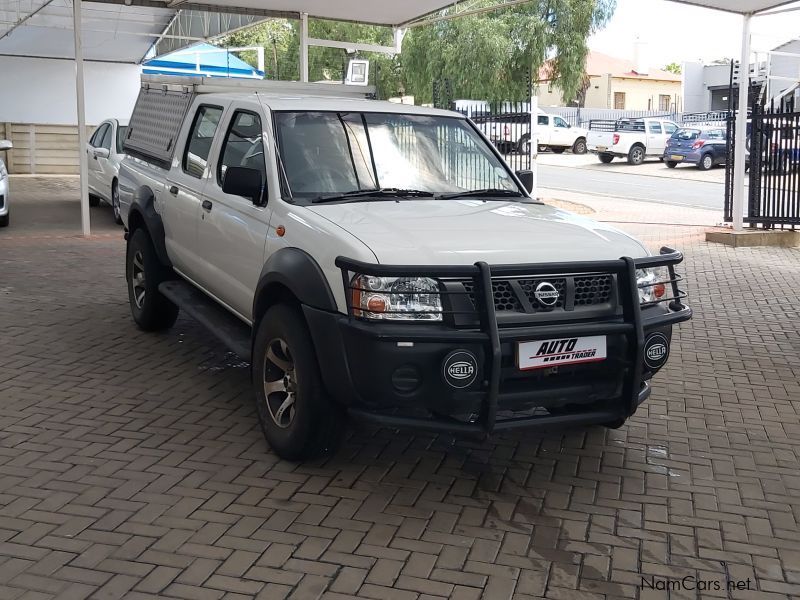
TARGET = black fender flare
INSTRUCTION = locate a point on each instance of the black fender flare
(298, 272)
(142, 213)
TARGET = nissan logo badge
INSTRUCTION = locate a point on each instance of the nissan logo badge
(656, 350)
(546, 294)
(460, 369)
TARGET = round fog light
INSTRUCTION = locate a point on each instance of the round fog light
(406, 379)
(656, 350)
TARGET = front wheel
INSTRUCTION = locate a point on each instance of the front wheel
(606, 158)
(151, 310)
(671, 164)
(524, 144)
(94, 201)
(5, 220)
(297, 417)
(579, 147)
(115, 203)
(636, 155)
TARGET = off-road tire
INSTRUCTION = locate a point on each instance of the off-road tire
(616, 424)
(605, 158)
(579, 147)
(285, 364)
(636, 155)
(151, 310)
(671, 164)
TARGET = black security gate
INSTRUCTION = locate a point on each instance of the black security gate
(773, 164)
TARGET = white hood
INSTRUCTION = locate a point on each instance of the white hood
(462, 232)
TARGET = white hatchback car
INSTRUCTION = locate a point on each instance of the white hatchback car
(105, 154)
(4, 192)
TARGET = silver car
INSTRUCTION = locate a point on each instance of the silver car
(105, 153)
(4, 191)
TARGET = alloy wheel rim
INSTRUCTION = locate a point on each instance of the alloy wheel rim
(138, 280)
(707, 162)
(280, 383)
(115, 201)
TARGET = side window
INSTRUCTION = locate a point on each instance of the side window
(106, 141)
(670, 128)
(97, 136)
(243, 147)
(655, 127)
(542, 120)
(561, 123)
(198, 145)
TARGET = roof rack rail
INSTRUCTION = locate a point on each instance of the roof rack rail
(208, 85)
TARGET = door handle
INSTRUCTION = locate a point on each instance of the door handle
(174, 190)
(207, 205)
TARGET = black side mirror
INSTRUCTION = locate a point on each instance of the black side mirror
(526, 178)
(241, 181)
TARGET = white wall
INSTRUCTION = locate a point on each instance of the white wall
(696, 97)
(42, 91)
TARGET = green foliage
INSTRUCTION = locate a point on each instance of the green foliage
(674, 68)
(490, 56)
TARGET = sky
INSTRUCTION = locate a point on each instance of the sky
(678, 33)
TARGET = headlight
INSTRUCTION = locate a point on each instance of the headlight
(396, 298)
(651, 284)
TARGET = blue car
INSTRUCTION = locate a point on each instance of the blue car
(703, 147)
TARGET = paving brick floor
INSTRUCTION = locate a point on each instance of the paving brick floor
(131, 464)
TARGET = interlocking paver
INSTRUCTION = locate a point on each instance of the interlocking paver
(132, 465)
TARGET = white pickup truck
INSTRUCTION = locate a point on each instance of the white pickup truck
(381, 261)
(511, 132)
(632, 139)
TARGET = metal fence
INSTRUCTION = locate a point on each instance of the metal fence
(508, 126)
(773, 161)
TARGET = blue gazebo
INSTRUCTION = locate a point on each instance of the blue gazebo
(201, 59)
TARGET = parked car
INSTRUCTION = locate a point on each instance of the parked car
(703, 147)
(105, 154)
(5, 193)
(632, 139)
(510, 132)
(554, 133)
(382, 261)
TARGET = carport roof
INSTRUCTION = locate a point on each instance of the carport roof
(739, 6)
(124, 30)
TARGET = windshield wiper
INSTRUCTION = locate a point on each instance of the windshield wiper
(375, 193)
(487, 193)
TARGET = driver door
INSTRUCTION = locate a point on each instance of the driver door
(93, 162)
(232, 230)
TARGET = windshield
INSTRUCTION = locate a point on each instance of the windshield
(122, 130)
(325, 153)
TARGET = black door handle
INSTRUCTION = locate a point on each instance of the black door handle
(174, 190)
(207, 205)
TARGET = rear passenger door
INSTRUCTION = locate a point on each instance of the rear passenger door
(656, 140)
(185, 184)
(232, 230)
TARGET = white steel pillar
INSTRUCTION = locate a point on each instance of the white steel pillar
(534, 145)
(304, 47)
(741, 127)
(82, 157)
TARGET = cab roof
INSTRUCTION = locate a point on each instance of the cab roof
(287, 102)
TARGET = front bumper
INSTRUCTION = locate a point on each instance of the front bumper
(4, 196)
(392, 373)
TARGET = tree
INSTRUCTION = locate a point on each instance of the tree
(674, 68)
(495, 55)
